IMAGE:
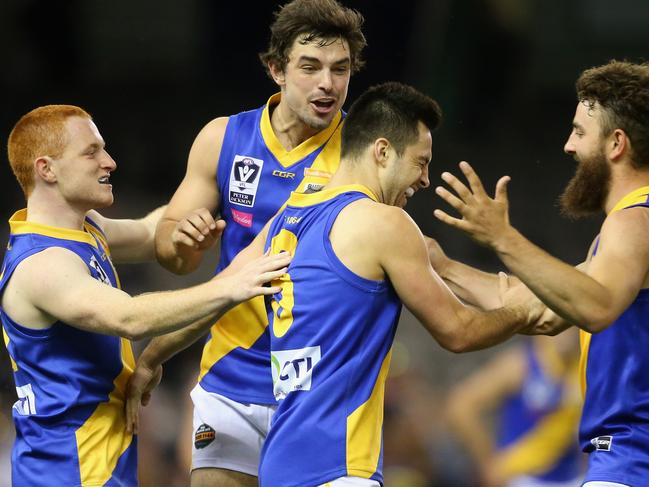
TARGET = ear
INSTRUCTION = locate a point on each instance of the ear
(277, 74)
(381, 151)
(44, 170)
(618, 145)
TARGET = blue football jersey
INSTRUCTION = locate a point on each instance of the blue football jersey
(331, 334)
(255, 177)
(69, 417)
(614, 367)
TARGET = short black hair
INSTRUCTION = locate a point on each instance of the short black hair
(391, 110)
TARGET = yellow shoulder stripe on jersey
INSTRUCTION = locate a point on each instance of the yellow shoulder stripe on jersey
(364, 429)
(288, 158)
(635, 197)
(14, 367)
(98, 234)
(20, 226)
(102, 439)
(309, 199)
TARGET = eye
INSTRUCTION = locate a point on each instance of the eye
(308, 68)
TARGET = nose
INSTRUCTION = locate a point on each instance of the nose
(325, 82)
(569, 147)
(108, 162)
(424, 182)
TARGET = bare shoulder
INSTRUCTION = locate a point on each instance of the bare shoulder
(634, 221)
(206, 149)
(98, 219)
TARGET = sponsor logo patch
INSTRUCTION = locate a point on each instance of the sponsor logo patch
(244, 180)
(204, 435)
(242, 218)
(312, 188)
(602, 443)
(292, 220)
(293, 370)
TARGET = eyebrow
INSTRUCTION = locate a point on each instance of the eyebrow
(578, 126)
(311, 59)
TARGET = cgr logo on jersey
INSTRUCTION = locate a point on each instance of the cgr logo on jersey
(244, 180)
(293, 369)
(283, 174)
(101, 273)
(602, 443)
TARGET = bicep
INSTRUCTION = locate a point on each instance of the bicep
(199, 187)
(405, 260)
(70, 294)
(622, 259)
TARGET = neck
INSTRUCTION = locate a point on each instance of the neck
(288, 128)
(357, 172)
(54, 213)
(624, 183)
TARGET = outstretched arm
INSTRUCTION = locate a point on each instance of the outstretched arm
(592, 300)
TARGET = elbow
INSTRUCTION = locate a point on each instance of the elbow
(130, 328)
(598, 319)
(455, 343)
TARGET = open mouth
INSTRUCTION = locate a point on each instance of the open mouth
(104, 180)
(323, 105)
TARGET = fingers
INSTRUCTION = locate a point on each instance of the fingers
(501, 189)
(450, 198)
(132, 412)
(474, 181)
(197, 227)
(458, 186)
(449, 220)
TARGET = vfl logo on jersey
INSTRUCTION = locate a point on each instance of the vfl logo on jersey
(283, 174)
(26, 403)
(244, 180)
(101, 273)
(293, 369)
(602, 443)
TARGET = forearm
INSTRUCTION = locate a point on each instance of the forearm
(474, 330)
(471, 285)
(162, 348)
(163, 312)
(176, 259)
(573, 295)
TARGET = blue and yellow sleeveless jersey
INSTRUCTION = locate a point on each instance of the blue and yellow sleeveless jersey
(615, 378)
(537, 434)
(69, 417)
(331, 337)
(255, 177)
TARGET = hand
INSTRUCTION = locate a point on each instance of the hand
(548, 324)
(251, 279)
(198, 230)
(484, 219)
(438, 259)
(138, 391)
(514, 293)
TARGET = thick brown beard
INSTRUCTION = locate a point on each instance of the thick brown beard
(586, 192)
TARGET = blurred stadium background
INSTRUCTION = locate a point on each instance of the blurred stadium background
(153, 73)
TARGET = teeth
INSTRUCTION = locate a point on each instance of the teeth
(103, 180)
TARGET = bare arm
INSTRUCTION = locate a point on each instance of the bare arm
(592, 300)
(471, 285)
(403, 256)
(130, 240)
(71, 295)
(188, 228)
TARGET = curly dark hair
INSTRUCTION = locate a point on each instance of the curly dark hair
(319, 21)
(391, 110)
(621, 88)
